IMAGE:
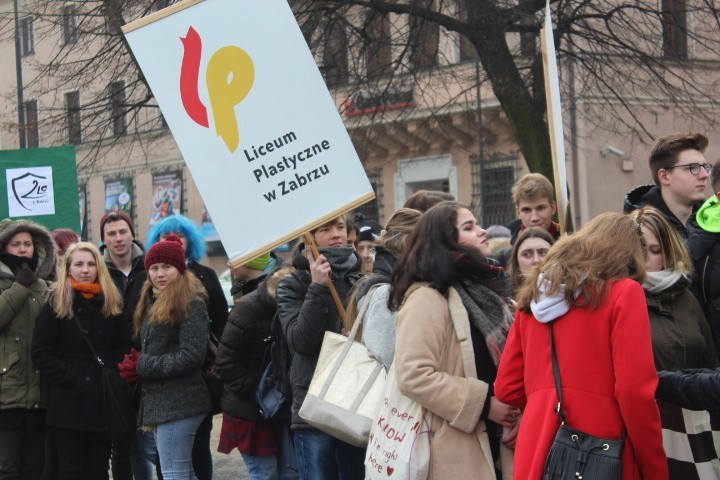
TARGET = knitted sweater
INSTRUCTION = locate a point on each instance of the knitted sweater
(170, 368)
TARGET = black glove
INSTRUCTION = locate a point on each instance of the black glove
(24, 276)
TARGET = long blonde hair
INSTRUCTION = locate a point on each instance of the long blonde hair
(173, 305)
(64, 294)
(674, 251)
(609, 247)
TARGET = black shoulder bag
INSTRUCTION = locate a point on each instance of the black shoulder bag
(117, 396)
(575, 455)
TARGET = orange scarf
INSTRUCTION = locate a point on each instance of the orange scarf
(87, 290)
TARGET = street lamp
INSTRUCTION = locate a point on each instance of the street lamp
(18, 69)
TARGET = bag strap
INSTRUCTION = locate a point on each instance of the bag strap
(364, 303)
(556, 374)
(87, 340)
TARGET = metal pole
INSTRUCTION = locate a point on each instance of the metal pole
(18, 69)
(481, 146)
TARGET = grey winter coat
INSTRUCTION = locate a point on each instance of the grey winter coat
(19, 307)
(170, 368)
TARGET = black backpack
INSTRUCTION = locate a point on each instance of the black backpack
(274, 392)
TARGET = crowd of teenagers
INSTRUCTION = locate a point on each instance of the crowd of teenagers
(477, 326)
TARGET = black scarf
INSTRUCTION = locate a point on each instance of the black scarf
(15, 263)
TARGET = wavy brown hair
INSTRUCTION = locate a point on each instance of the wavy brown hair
(63, 297)
(610, 247)
(173, 305)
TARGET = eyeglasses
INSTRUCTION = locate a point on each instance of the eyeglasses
(693, 167)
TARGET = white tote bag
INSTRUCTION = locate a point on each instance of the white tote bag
(399, 444)
(347, 387)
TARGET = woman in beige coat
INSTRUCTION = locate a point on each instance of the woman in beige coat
(451, 328)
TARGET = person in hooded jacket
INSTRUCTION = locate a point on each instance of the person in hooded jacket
(704, 245)
(84, 294)
(265, 446)
(306, 310)
(680, 173)
(27, 259)
(587, 297)
(681, 337)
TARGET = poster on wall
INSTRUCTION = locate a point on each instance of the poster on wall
(119, 195)
(253, 118)
(167, 195)
(207, 227)
(40, 185)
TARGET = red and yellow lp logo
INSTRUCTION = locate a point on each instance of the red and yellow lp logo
(229, 78)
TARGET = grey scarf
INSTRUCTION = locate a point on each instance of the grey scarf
(489, 313)
(343, 261)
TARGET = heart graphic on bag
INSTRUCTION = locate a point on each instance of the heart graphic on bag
(390, 470)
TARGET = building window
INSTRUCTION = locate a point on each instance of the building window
(378, 55)
(119, 108)
(674, 26)
(424, 38)
(32, 134)
(467, 49)
(69, 23)
(72, 103)
(27, 36)
(425, 173)
(492, 186)
(371, 210)
(335, 62)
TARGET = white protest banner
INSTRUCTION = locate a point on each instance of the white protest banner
(554, 116)
(252, 117)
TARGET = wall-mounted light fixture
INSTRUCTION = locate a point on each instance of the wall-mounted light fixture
(627, 163)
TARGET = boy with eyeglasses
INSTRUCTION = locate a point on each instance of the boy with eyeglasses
(680, 173)
(704, 244)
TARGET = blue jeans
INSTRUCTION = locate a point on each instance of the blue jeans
(281, 466)
(322, 457)
(174, 443)
(143, 455)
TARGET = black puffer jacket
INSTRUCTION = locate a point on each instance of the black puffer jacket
(694, 390)
(66, 362)
(650, 195)
(705, 252)
(306, 312)
(241, 350)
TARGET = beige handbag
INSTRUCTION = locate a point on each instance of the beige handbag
(347, 386)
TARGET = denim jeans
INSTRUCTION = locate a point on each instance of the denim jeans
(281, 466)
(174, 443)
(322, 457)
(143, 455)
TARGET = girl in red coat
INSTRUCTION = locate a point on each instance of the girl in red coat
(588, 287)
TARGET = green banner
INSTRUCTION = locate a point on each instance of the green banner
(40, 184)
